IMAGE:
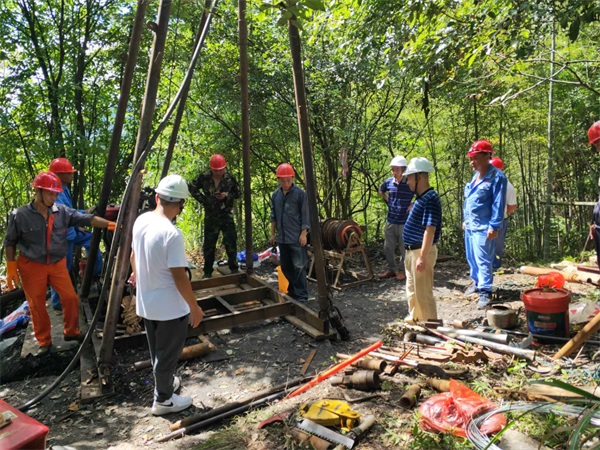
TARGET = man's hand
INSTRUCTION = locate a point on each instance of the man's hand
(272, 240)
(492, 234)
(196, 316)
(421, 263)
(221, 196)
(302, 239)
(592, 228)
(131, 279)
(111, 226)
(12, 275)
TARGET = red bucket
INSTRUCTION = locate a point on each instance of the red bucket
(547, 312)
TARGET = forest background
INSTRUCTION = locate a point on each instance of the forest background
(383, 78)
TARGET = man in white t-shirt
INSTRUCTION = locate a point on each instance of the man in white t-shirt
(511, 205)
(165, 299)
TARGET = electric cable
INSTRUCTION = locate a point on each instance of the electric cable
(482, 442)
(117, 234)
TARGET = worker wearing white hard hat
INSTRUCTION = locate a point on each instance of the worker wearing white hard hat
(421, 233)
(395, 192)
(165, 299)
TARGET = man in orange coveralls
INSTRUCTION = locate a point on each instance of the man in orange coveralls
(38, 230)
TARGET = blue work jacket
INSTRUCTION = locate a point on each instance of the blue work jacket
(483, 209)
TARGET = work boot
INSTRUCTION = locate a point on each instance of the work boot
(388, 274)
(175, 404)
(77, 337)
(484, 299)
(472, 289)
(43, 350)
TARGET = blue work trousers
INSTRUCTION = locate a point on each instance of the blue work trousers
(293, 259)
(82, 239)
(500, 245)
(480, 255)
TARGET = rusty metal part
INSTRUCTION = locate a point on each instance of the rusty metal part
(190, 352)
(361, 399)
(376, 364)
(528, 355)
(410, 396)
(439, 385)
(502, 317)
(337, 234)
(362, 380)
(424, 368)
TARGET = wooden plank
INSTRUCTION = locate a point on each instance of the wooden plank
(308, 361)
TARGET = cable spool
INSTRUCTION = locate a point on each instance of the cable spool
(337, 234)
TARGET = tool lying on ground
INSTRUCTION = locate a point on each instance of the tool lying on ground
(424, 368)
(331, 413)
(325, 433)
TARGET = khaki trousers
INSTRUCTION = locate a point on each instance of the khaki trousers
(419, 286)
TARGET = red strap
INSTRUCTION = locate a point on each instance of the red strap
(49, 227)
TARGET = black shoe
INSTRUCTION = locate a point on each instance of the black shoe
(207, 276)
(57, 307)
(78, 338)
(43, 350)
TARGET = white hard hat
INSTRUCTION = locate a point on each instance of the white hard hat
(398, 161)
(418, 165)
(173, 188)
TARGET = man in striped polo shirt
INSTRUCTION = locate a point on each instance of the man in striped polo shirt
(421, 234)
(397, 195)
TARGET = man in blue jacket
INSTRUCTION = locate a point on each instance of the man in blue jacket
(76, 236)
(483, 213)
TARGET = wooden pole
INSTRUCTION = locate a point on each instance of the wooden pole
(580, 338)
(245, 105)
(113, 150)
(326, 309)
(121, 270)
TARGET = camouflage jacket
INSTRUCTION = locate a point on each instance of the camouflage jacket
(203, 189)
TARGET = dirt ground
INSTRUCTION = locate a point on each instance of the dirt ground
(260, 356)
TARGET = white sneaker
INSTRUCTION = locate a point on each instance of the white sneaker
(176, 384)
(173, 405)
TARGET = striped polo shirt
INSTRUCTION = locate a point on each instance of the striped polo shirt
(426, 211)
(399, 198)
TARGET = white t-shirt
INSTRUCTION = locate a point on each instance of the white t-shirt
(158, 246)
(511, 196)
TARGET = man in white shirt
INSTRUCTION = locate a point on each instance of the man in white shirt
(511, 206)
(165, 299)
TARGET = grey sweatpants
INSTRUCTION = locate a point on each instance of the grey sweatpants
(166, 339)
(393, 240)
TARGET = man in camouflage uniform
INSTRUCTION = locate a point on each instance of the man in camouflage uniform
(217, 190)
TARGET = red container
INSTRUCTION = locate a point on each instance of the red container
(22, 432)
(547, 312)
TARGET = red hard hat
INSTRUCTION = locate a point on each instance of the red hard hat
(497, 163)
(48, 181)
(285, 170)
(217, 162)
(594, 133)
(61, 165)
(482, 146)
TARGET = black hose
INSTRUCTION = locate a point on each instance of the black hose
(117, 234)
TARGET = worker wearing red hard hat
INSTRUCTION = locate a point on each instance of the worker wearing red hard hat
(483, 213)
(76, 236)
(594, 140)
(511, 206)
(289, 228)
(38, 231)
(217, 190)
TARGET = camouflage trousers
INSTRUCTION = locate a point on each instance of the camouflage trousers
(213, 225)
